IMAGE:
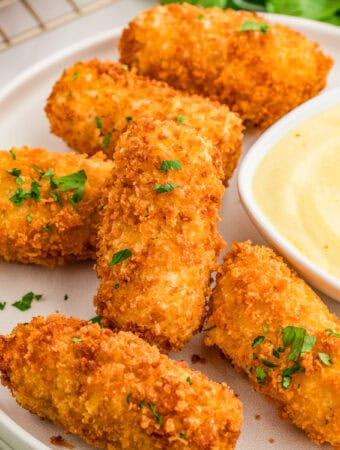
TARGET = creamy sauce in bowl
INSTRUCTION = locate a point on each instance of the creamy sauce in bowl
(297, 188)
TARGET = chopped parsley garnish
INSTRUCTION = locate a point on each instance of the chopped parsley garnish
(15, 172)
(128, 118)
(116, 286)
(251, 25)
(265, 328)
(154, 413)
(26, 301)
(37, 169)
(188, 380)
(286, 374)
(180, 119)
(294, 337)
(125, 67)
(332, 333)
(73, 182)
(325, 359)
(260, 374)
(2, 306)
(257, 341)
(35, 192)
(200, 17)
(308, 344)
(13, 155)
(286, 380)
(275, 353)
(106, 140)
(19, 181)
(56, 197)
(19, 196)
(68, 94)
(120, 256)
(29, 218)
(165, 187)
(210, 328)
(48, 228)
(249, 368)
(98, 122)
(183, 436)
(98, 320)
(268, 363)
(141, 404)
(75, 339)
(128, 397)
(254, 356)
(75, 76)
(169, 164)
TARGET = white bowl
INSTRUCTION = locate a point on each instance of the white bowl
(316, 276)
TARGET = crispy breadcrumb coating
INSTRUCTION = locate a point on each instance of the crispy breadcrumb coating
(260, 75)
(256, 298)
(45, 228)
(114, 390)
(159, 291)
(92, 102)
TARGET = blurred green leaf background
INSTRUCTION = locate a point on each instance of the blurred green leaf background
(323, 10)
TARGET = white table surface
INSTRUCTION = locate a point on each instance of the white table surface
(15, 60)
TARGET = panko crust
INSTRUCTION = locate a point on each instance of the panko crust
(201, 50)
(45, 232)
(114, 390)
(113, 94)
(159, 292)
(257, 294)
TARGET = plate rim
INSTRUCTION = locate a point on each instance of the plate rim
(9, 429)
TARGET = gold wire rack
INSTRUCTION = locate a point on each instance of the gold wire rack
(37, 16)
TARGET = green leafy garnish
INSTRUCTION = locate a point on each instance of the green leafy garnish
(249, 368)
(128, 118)
(120, 256)
(260, 374)
(183, 436)
(167, 187)
(19, 196)
(257, 341)
(13, 155)
(75, 76)
(106, 140)
(252, 25)
(116, 286)
(26, 301)
(141, 404)
(37, 169)
(125, 67)
(286, 374)
(325, 359)
(128, 397)
(211, 328)
(268, 363)
(29, 218)
(48, 228)
(73, 182)
(294, 337)
(75, 339)
(169, 164)
(98, 320)
(2, 305)
(188, 380)
(275, 353)
(180, 119)
(35, 192)
(98, 122)
(15, 172)
(308, 344)
(265, 328)
(200, 17)
(56, 197)
(332, 333)
(154, 413)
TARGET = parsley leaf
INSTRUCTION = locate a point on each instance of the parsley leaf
(120, 256)
(19, 196)
(180, 119)
(106, 140)
(165, 187)
(29, 218)
(308, 344)
(26, 301)
(268, 363)
(128, 118)
(169, 164)
(128, 397)
(75, 339)
(2, 305)
(73, 182)
(15, 172)
(260, 374)
(210, 328)
(154, 413)
(125, 67)
(75, 76)
(98, 320)
(188, 380)
(332, 333)
(325, 359)
(257, 341)
(252, 25)
(13, 155)
(183, 436)
(98, 122)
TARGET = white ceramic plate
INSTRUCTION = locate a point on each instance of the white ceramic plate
(23, 122)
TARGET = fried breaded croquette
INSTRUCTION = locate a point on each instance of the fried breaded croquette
(259, 69)
(49, 205)
(158, 241)
(114, 390)
(93, 102)
(274, 327)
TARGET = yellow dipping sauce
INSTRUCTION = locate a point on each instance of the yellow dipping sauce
(297, 186)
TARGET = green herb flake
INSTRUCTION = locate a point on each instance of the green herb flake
(252, 25)
(26, 300)
(183, 436)
(308, 344)
(141, 404)
(48, 228)
(255, 356)
(15, 172)
(169, 164)
(167, 187)
(125, 67)
(293, 369)
(332, 333)
(129, 118)
(294, 336)
(19, 181)
(154, 413)
(257, 341)
(75, 76)
(98, 320)
(211, 328)
(19, 196)
(275, 353)
(75, 339)
(48, 174)
(265, 328)
(116, 286)
(200, 17)
(286, 380)
(106, 140)
(2, 305)
(73, 182)
(260, 374)
(98, 122)
(188, 380)
(128, 398)
(325, 359)
(120, 256)
(180, 119)
(249, 368)
(68, 94)
(13, 155)
(35, 192)
(268, 363)
(37, 169)
(56, 197)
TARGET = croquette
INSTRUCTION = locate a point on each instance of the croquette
(158, 241)
(49, 205)
(259, 69)
(92, 102)
(114, 390)
(274, 327)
